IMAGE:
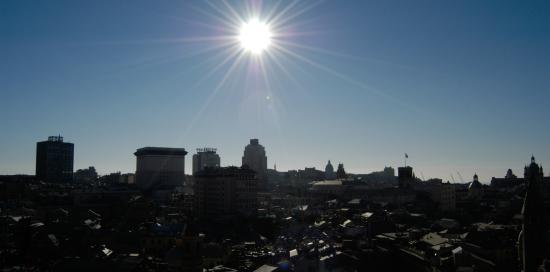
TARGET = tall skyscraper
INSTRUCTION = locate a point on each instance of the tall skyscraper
(225, 192)
(160, 167)
(532, 239)
(205, 157)
(54, 160)
(254, 157)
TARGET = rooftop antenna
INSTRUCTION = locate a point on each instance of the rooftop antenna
(406, 157)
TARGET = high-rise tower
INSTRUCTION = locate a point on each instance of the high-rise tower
(54, 160)
(205, 157)
(254, 157)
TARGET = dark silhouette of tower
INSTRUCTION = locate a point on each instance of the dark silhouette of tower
(532, 243)
(54, 160)
(254, 157)
(329, 171)
(340, 172)
(405, 177)
(205, 157)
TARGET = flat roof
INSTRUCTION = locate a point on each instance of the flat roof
(160, 151)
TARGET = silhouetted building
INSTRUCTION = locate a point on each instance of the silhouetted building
(160, 167)
(54, 160)
(118, 178)
(329, 171)
(475, 188)
(340, 173)
(221, 193)
(88, 175)
(389, 171)
(444, 194)
(254, 157)
(510, 175)
(205, 157)
(532, 238)
(405, 177)
(509, 182)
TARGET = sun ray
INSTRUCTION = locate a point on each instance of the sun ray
(233, 11)
(278, 22)
(235, 21)
(214, 92)
(282, 13)
(233, 52)
(340, 54)
(171, 58)
(275, 59)
(272, 11)
(220, 20)
(332, 72)
(352, 81)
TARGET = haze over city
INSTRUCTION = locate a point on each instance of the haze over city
(460, 86)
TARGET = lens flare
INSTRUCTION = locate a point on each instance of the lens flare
(255, 36)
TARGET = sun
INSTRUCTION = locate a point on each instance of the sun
(255, 36)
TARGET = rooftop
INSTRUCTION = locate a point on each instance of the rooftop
(160, 151)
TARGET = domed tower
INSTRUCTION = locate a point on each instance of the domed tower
(329, 171)
(532, 240)
(340, 172)
(510, 175)
(475, 189)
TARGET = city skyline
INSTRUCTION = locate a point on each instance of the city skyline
(456, 177)
(460, 87)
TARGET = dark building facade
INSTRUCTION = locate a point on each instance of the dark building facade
(54, 160)
(160, 168)
(532, 239)
(254, 157)
(341, 173)
(405, 177)
(221, 193)
(205, 157)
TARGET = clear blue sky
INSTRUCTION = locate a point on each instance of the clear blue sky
(461, 86)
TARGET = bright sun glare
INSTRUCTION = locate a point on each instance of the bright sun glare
(255, 36)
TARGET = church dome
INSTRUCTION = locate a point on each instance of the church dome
(475, 184)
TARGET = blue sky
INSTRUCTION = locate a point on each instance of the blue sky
(461, 86)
